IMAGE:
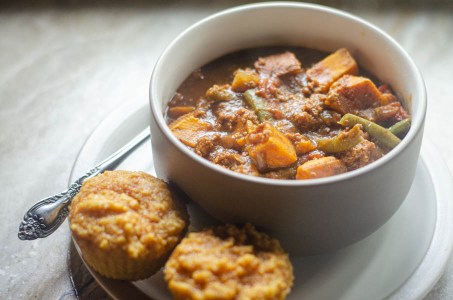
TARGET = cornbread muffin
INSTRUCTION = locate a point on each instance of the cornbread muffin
(228, 262)
(126, 223)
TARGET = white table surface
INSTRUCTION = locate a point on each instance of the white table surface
(64, 66)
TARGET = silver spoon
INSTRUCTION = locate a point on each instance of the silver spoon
(43, 218)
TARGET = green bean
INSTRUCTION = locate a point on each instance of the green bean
(381, 134)
(401, 128)
(258, 104)
(341, 142)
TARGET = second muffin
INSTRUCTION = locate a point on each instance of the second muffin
(228, 262)
(126, 223)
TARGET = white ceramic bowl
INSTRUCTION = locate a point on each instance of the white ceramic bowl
(310, 216)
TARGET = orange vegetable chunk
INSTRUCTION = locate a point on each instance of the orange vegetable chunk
(321, 167)
(244, 80)
(177, 111)
(305, 146)
(188, 129)
(327, 71)
(269, 148)
(351, 94)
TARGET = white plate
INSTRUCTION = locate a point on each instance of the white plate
(402, 260)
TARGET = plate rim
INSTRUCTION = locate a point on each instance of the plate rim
(443, 189)
(417, 285)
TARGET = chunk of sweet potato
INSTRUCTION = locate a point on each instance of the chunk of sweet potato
(269, 148)
(189, 128)
(244, 80)
(351, 94)
(330, 69)
(177, 111)
(321, 167)
(304, 145)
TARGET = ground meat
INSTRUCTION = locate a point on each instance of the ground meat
(315, 154)
(230, 114)
(268, 87)
(281, 173)
(225, 157)
(203, 105)
(330, 117)
(248, 167)
(303, 112)
(206, 144)
(361, 154)
(228, 262)
(285, 127)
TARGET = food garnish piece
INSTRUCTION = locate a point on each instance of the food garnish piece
(382, 135)
(269, 148)
(278, 64)
(189, 128)
(258, 104)
(321, 167)
(244, 80)
(327, 71)
(350, 94)
(343, 141)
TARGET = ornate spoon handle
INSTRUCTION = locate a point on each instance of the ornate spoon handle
(43, 218)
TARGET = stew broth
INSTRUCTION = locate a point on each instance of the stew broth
(287, 113)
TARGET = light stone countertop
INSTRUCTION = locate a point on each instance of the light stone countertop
(65, 67)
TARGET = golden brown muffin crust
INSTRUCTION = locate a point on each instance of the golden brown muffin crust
(229, 263)
(127, 214)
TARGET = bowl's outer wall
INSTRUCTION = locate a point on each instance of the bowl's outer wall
(308, 219)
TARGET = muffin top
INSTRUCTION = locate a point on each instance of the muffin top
(228, 262)
(129, 211)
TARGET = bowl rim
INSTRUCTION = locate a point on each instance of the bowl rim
(417, 120)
